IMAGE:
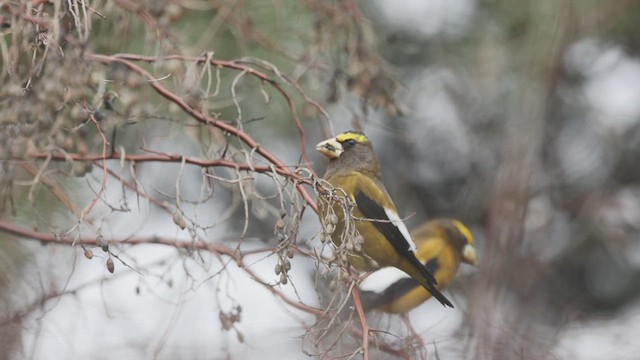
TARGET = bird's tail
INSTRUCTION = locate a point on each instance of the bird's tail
(417, 273)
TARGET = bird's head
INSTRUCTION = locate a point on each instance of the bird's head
(460, 237)
(349, 151)
(465, 237)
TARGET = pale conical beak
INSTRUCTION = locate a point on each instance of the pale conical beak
(330, 148)
(469, 255)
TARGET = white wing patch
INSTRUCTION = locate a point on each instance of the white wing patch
(379, 280)
(395, 220)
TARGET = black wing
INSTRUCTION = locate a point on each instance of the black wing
(372, 210)
(373, 300)
(432, 265)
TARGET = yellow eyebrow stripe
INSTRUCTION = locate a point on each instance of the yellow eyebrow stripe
(359, 138)
(464, 231)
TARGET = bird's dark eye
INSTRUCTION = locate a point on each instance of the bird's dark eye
(349, 143)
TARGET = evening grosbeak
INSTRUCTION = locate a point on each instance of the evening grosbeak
(442, 245)
(357, 211)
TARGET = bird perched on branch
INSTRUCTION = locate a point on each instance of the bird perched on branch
(360, 217)
(442, 245)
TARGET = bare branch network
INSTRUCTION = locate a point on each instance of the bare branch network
(295, 176)
(83, 133)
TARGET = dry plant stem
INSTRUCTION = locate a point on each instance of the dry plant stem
(414, 334)
(383, 346)
(160, 157)
(200, 117)
(243, 69)
(363, 322)
(198, 244)
(141, 11)
(227, 251)
(281, 295)
(54, 188)
(93, 202)
(212, 247)
(39, 303)
(138, 191)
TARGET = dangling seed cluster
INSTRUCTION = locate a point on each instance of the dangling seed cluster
(350, 240)
(284, 250)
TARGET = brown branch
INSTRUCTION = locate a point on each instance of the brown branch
(217, 248)
(296, 304)
(363, 322)
(21, 13)
(163, 157)
(202, 118)
(45, 238)
(235, 65)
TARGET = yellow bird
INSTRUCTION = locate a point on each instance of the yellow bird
(442, 245)
(360, 199)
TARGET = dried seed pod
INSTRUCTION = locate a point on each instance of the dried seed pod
(179, 220)
(286, 265)
(283, 279)
(278, 269)
(88, 167)
(329, 229)
(82, 146)
(110, 265)
(226, 323)
(88, 254)
(280, 224)
(68, 143)
(349, 246)
(79, 168)
(240, 336)
(235, 317)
